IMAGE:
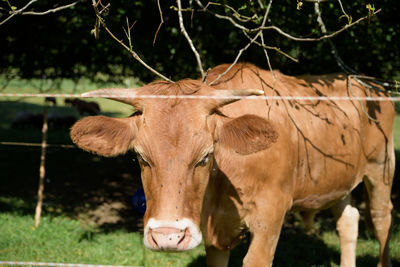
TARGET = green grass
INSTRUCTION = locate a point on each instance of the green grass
(60, 239)
(396, 132)
(79, 184)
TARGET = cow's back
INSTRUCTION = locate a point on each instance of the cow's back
(328, 146)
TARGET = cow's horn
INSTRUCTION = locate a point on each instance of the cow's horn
(126, 96)
(225, 94)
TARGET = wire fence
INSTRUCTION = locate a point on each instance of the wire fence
(36, 144)
(253, 97)
(202, 97)
(32, 263)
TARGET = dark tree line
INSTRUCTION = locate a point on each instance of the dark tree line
(61, 45)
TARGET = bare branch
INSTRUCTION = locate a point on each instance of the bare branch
(128, 32)
(334, 51)
(133, 53)
(53, 10)
(260, 4)
(236, 59)
(283, 33)
(237, 15)
(183, 31)
(21, 11)
(237, 25)
(277, 49)
(326, 36)
(321, 23)
(262, 36)
(18, 11)
(344, 12)
(161, 22)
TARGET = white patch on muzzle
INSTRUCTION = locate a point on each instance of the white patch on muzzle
(183, 224)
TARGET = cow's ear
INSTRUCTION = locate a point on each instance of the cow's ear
(103, 135)
(247, 134)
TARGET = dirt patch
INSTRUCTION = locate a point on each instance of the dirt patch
(78, 184)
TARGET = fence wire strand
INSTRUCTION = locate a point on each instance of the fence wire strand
(31, 263)
(304, 98)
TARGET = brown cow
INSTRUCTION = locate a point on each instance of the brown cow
(212, 169)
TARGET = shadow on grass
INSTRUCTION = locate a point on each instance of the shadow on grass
(78, 184)
(294, 249)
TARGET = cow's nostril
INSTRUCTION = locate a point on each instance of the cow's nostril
(184, 239)
(167, 238)
(154, 242)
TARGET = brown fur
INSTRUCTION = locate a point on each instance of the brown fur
(248, 134)
(103, 135)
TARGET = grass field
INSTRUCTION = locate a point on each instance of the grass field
(87, 216)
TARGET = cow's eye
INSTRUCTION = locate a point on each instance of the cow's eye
(141, 159)
(204, 160)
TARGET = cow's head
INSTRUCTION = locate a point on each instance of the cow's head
(174, 140)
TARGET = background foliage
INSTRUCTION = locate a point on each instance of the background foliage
(60, 44)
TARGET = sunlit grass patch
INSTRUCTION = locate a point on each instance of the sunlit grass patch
(61, 239)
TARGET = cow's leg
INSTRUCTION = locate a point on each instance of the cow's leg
(379, 188)
(265, 229)
(308, 220)
(216, 257)
(347, 226)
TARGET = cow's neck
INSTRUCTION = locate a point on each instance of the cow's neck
(222, 211)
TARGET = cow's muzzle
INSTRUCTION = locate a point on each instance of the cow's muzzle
(176, 236)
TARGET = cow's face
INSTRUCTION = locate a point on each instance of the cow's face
(174, 141)
(174, 148)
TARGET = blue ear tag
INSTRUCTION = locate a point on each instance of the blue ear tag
(139, 201)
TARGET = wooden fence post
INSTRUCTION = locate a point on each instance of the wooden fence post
(42, 169)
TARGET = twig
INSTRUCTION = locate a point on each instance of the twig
(361, 104)
(128, 32)
(237, 25)
(262, 38)
(321, 23)
(349, 71)
(236, 59)
(260, 4)
(183, 31)
(21, 10)
(51, 10)
(161, 23)
(266, 52)
(277, 49)
(280, 31)
(16, 12)
(133, 53)
(237, 15)
(349, 18)
(326, 36)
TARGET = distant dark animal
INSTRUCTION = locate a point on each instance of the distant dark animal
(91, 108)
(29, 120)
(51, 100)
(57, 121)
